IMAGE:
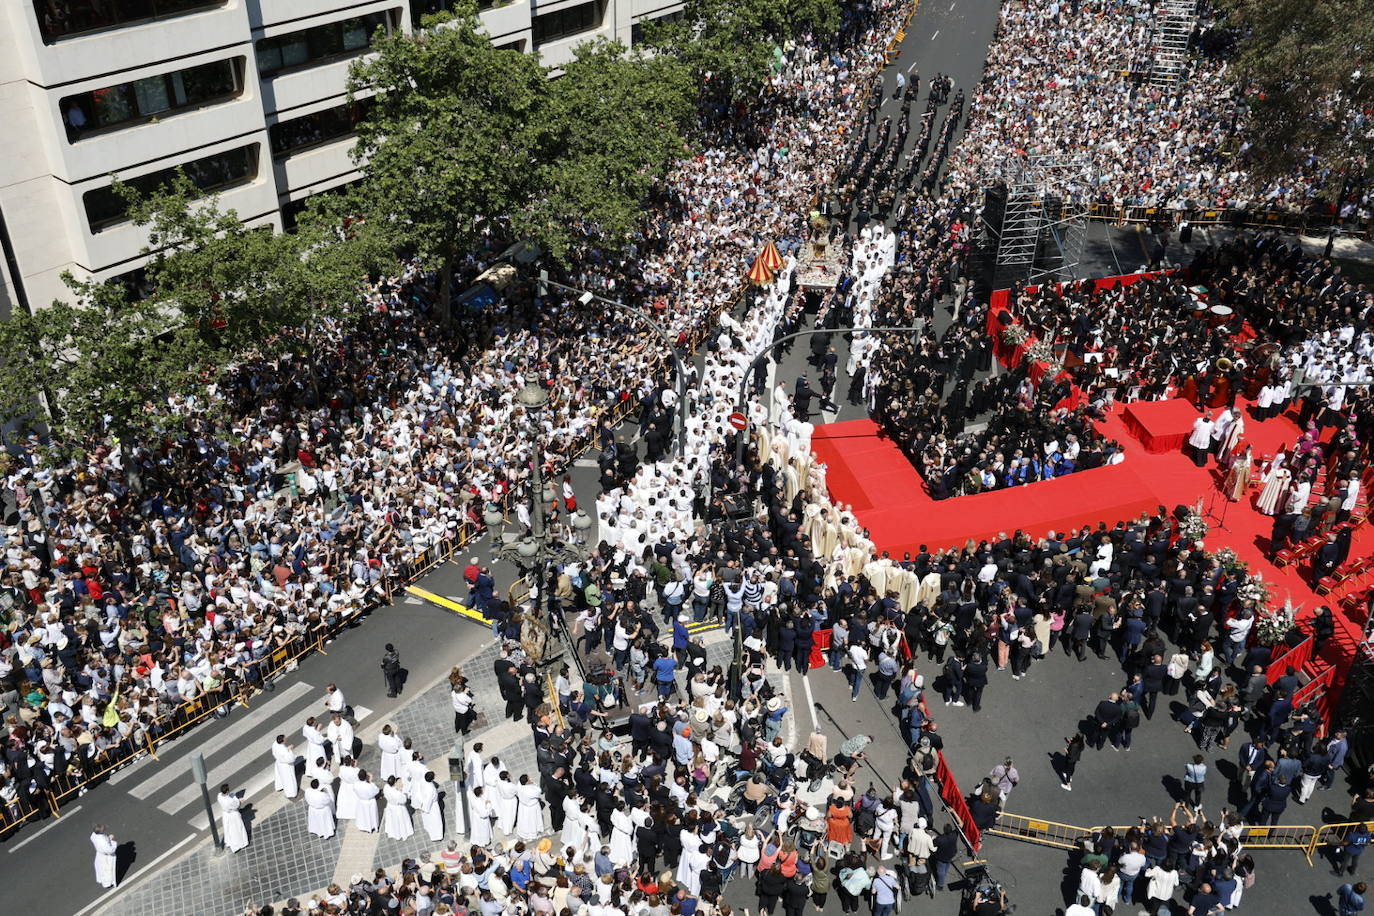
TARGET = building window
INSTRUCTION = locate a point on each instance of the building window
(637, 29)
(310, 130)
(151, 97)
(213, 173)
(59, 19)
(421, 8)
(332, 41)
(553, 26)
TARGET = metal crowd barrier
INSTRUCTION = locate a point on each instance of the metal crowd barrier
(1302, 837)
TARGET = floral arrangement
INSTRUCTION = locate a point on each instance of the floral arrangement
(1230, 562)
(1014, 335)
(1273, 625)
(1255, 590)
(1040, 352)
(1192, 527)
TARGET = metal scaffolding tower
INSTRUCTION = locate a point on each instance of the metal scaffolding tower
(1021, 222)
(1174, 24)
(1033, 222)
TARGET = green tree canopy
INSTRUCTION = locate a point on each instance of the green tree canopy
(105, 365)
(446, 142)
(608, 130)
(460, 132)
(734, 41)
(222, 291)
(1305, 68)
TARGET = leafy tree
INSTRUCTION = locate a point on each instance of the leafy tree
(608, 130)
(104, 365)
(1305, 68)
(446, 144)
(734, 41)
(222, 291)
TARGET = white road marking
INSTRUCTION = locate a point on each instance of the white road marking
(936, 35)
(38, 833)
(810, 701)
(101, 900)
(257, 717)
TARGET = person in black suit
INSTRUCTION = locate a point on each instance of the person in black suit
(975, 679)
(1152, 680)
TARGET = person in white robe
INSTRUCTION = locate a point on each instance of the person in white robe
(622, 837)
(318, 769)
(319, 803)
(481, 812)
(529, 819)
(391, 745)
(284, 767)
(106, 874)
(573, 833)
(689, 868)
(506, 804)
(415, 769)
(396, 818)
(347, 806)
(491, 775)
(234, 830)
(366, 817)
(424, 798)
(340, 735)
(315, 740)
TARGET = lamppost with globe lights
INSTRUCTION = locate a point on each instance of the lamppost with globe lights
(534, 551)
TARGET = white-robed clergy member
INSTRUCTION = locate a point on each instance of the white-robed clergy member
(529, 820)
(347, 806)
(340, 735)
(105, 862)
(319, 801)
(424, 798)
(391, 745)
(479, 831)
(284, 767)
(505, 803)
(235, 831)
(397, 816)
(366, 816)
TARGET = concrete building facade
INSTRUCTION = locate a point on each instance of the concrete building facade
(248, 96)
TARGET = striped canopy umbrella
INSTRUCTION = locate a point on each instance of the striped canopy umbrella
(759, 274)
(770, 256)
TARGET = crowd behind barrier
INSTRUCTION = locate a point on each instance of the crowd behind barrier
(1308, 839)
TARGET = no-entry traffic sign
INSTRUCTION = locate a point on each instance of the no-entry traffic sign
(739, 420)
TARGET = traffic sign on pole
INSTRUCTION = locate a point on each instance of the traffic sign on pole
(739, 421)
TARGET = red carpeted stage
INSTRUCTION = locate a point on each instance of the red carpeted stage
(1161, 426)
(871, 474)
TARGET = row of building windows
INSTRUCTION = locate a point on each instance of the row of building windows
(153, 96)
(287, 137)
(569, 21)
(209, 174)
(59, 19)
(333, 40)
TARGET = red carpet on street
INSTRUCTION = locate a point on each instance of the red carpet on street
(868, 472)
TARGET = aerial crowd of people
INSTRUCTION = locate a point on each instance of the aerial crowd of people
(138, 579)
